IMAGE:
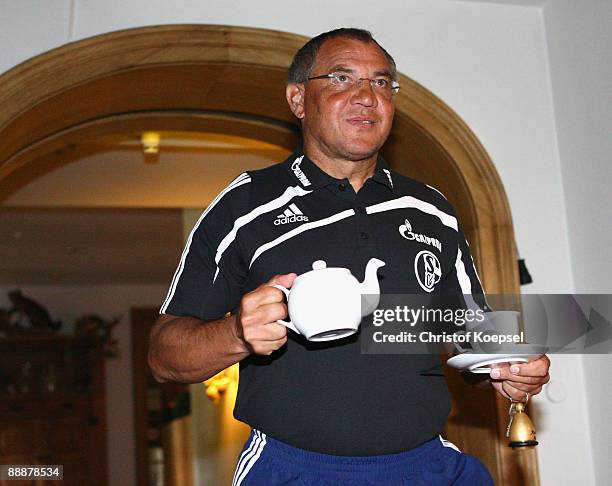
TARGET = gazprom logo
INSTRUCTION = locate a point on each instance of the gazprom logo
(406, 231)
(295, 167)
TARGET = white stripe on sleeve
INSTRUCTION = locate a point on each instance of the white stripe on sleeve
(288, 195)
(239, 181)
(465, 282)
(413, 202)
(433, 188)
(300, 229)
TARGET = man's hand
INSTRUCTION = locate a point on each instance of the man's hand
(516, 380)
(259, 311)
(190, 350)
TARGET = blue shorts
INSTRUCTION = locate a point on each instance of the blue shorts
(269, 462)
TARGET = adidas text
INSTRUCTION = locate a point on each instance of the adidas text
(290, 219)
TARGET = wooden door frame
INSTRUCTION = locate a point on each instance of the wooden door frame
(195, 71)
(141, 321)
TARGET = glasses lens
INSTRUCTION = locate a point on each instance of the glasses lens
(383, 86)
(345, 81)
(342, 80)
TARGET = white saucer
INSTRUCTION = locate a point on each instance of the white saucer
(478, 363)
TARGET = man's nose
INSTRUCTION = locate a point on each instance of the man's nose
(364, 93)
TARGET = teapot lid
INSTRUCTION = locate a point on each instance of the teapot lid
(319, 265)
(322, 265)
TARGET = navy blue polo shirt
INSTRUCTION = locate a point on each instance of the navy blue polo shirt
(328, 397)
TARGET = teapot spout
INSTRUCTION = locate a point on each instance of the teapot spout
(370, 289)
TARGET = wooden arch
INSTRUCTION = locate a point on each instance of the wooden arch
(229, 79)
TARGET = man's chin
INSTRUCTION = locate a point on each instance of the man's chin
(357, 153)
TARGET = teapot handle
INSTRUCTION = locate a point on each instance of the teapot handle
(288, 323)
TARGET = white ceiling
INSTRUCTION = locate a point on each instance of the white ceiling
(111, 217)
(121, 178)
(190, 170)
(89, 246)
(527, 3)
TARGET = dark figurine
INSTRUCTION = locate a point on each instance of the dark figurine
(99, 329)
(28, 316)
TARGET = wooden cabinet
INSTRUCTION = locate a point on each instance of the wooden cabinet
(52, 407)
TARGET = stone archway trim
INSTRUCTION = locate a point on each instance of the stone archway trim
(66, 146)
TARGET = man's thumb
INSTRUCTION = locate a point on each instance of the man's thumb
(285, 280)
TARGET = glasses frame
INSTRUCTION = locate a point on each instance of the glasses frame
(395, 86)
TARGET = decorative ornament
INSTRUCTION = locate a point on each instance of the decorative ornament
(27, 317)
(96, 328)
(521, 430)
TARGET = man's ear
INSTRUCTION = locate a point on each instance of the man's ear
(295, 98)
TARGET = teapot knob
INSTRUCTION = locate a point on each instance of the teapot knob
(319, 265)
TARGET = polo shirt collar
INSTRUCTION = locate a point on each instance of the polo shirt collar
(310, 176)
(382, 174)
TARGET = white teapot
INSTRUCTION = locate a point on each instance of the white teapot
(328, 303)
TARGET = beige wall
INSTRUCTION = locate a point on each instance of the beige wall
(579, 38)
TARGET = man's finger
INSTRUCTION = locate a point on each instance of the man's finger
(270, 313)
(514, 393)
(265, 315)
(273, 332)
(277, 345)
(517, 371)
(498, 386)
(286, 280)
(266, 293)
(261, 296)
(531, 389)
(268, 347)
(265, 333)
(527, 380)
(536, 368)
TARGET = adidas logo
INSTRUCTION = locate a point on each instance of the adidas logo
(290, 215)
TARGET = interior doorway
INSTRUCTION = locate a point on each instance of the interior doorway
(229, 80)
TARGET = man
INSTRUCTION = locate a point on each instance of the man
(324, 413)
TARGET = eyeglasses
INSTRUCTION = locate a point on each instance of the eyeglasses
(345, 82)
